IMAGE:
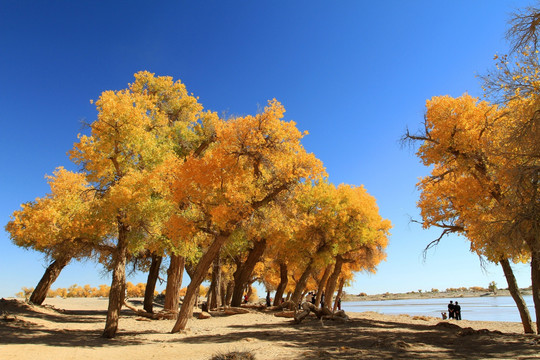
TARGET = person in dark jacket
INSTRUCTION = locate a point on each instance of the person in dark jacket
(457, 311)
(451, 310)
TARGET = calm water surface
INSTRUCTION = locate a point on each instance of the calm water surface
(496, 308)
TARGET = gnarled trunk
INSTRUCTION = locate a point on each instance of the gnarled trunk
(186, 311)
(301, 284)
(339, 294)
(516, 295)
(243, 273)
(215, 295)
(49, 277)
(153, 275)
(322, 284)
(118, 284)
(284, 279)
(174, 283)
(332, 282)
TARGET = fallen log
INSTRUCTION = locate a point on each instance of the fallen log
(162, 315)
(235, 311)
(204, 315)
(254, 306)
(285, 314)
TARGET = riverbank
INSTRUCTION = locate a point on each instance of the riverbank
(71, 330)
(431, 295)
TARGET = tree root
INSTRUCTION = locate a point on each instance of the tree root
(321, 313)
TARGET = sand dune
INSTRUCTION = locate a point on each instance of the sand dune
(71, 330)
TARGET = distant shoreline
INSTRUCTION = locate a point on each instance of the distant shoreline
(430, 295)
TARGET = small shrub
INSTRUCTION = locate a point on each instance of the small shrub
(434, 290)
(234, 355)
(477, 288)
(362, 294)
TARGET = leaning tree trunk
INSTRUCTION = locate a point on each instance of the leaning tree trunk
(332, 282)
(339, 293)
(51, 274)
(284, 279)
(243, 273)
(153, 275)
(322, 284)
(174, 283)
(535, 278)
(186, 311)
(215, 295)
(118, 285)
(301, 284)
(516, 295)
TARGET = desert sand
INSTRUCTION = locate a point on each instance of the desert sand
(71, 328)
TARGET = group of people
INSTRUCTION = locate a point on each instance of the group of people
(312, 297)
(454, 310)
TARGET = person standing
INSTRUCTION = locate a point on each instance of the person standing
(451, 310)
(457, 311)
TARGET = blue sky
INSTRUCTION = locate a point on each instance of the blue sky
(354, 74)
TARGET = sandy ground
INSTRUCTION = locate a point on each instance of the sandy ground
(72, 329)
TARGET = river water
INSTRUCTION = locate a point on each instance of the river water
(488, 308)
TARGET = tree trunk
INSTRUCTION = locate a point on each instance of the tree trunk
(332, 282)
(197, 295)
(228, 296)
(516, 295)
(153, 275)
(190, 269)
(186, 311)
(51, 274)
(118, 284)
(223, 293)
(303, 296)
(209, 295)
(322, 284)
(340, 292)
(174, 283)
(535, 278)
(284, 279)
(215, 295)
(244, 271)
(301, 284)
(289, 295)
(249, 292)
